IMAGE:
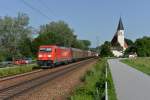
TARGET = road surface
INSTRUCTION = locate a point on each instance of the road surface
(130, 84)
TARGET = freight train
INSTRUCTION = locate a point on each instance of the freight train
(52, 55)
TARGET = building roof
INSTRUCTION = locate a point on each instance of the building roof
(114, 39)
(120, 25)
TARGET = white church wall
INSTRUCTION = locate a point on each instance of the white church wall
(117, 53)
(121, 37)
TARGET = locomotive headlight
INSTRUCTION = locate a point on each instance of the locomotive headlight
(40, 56)
(49, 55)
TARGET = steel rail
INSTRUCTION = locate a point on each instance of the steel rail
(9, 92)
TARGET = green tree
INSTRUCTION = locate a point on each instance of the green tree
(62, 29)
(129, 42)
(105, 49)
(86, 43)
(79, 44)
(143, 46)
(58, 33)
(11, 32)
(25, 47)
(130, 49)
(48, 38)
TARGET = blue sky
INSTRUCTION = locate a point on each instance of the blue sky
(94, 20)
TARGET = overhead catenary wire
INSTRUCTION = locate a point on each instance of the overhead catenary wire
(36, 9)
(47, 7)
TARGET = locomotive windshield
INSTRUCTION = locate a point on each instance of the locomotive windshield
(45, 49)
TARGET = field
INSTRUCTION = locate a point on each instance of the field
(9, 71)
(142, 64)
(93, 87)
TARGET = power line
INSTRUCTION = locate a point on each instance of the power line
(35, 9)
(47, 7)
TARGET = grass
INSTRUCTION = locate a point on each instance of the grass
(93, 87)
(142, 64)
(9, 71)
(111, 88)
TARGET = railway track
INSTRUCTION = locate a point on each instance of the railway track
(11, 91)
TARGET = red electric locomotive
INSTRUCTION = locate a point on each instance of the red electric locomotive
(50, 55)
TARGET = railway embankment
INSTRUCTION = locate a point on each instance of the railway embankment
(85, 80)
(45, 84)
(93, 85)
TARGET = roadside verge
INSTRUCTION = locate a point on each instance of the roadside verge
(93, 84)
(142, 64)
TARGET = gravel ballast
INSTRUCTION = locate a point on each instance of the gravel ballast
(59, 88)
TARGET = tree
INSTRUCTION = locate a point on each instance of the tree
(143, 46)
(48, 38)
(105, 49)
(62, 29)
(129, 42)
(25, 47)
(58, 33)
(131, 49)
(79, 44)
(11, 32)
(86, 43)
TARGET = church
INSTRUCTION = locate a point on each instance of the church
(118, 42)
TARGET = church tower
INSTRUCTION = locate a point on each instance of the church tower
(118, 42)
(120, 34)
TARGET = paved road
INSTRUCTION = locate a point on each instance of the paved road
(130, 83)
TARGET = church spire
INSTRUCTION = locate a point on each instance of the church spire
(120, 25)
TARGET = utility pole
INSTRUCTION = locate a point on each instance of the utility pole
(97, 44)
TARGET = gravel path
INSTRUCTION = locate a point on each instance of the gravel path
(130, 83)
(57, 89)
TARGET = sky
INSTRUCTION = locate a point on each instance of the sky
(94, 20)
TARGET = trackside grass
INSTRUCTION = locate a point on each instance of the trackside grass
(142, 64)
(8, 71)
(93, 87)
(111, 88)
